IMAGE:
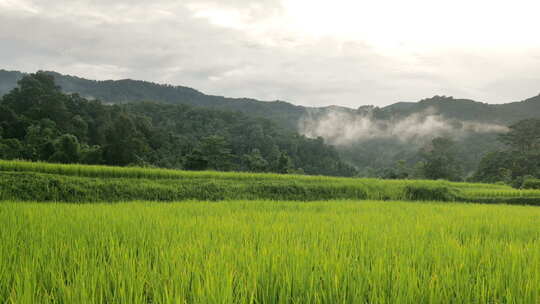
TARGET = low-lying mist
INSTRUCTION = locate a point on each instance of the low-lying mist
(341, 128)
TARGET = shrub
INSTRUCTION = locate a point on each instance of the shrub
(531, 183)
(424, 192)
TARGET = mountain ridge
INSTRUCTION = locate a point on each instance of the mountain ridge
(370, 138)
(285, 113)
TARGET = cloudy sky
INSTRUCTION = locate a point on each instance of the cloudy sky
(309, 52)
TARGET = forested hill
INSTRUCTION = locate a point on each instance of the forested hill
(372, 139)
(284, 113)
(127, 90)
(469, 110)
(38, 122)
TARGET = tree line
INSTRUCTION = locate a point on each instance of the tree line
(40, 123)
(516, 163)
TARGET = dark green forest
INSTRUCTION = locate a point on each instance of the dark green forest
(283, 113)
(53, 117)
(376, 157)
(516, 162)
(128, 90)
(39, 122)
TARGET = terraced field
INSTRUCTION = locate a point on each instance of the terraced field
(79, 183)
(207, 237)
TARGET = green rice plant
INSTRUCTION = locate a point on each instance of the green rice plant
(57, 188)
(80, 183)
(269, 252)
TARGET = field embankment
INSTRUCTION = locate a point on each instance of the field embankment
(26, 181)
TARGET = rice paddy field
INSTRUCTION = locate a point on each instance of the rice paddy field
(27, 181)
(269, 252)
(90, 234)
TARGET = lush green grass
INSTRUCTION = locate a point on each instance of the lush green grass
(256, 251)
(79, 183)
(269, 252)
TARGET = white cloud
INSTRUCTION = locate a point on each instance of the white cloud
(343, 128)
(18, 6)
(307, 52)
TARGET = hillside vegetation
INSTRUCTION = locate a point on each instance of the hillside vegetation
(40, 123)
(178, 113)
(128, 90)
(80, 183)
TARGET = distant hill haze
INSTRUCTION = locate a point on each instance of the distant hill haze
(287, 114)
(368, 137)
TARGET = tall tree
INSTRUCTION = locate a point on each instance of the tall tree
(440, 160)
(520, 159)
(68, 149)
(255, 162)
(523, 137)
(126, 145)
(217, 152)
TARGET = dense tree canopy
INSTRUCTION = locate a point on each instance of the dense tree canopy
(518, 160)
(39, 122)
(374, 157)
(440, 160)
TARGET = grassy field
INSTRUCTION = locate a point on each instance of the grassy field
(260, 238)
(269, 252)
(28, 181)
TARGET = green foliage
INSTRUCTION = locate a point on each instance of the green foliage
(524, 136)
(531, 183)
(67, 149)
(10, 148)
(216, 152)
(420, 192)
(39, 122)
(255, 162)
(262, 252)
(440, 160)
(91, 155)
(494, 167)
(284, 164)
(374, 158)
(124, 91)
(81, 183)
(45, 187)
(36, 113)
(520, 159)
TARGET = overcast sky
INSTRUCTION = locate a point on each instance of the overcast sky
(307, 52)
